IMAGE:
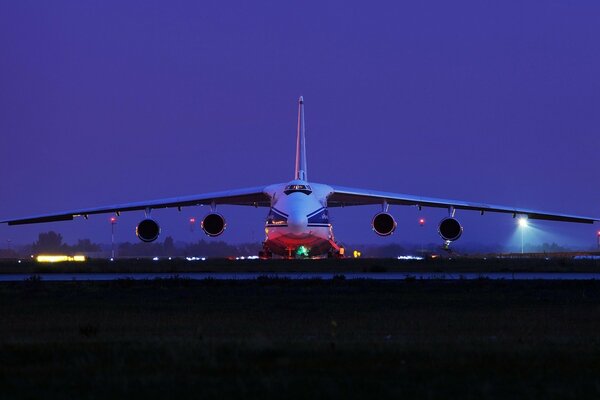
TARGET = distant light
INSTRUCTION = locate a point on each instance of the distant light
(422, 221)
(192, 220)
(598, 233)
(155, 259)
(113, 220)
(409, 258)
(43, 258)
(523, 222)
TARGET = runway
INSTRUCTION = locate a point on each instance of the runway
(383, 276)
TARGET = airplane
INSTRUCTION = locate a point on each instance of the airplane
(297, 224)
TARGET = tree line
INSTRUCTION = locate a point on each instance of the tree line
(52, 242)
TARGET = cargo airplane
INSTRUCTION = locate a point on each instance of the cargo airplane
(297, 223)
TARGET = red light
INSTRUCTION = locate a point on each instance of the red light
(422, 222)
(192, 220)
(598, 233)
(113, 220)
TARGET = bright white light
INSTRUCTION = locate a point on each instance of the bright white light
(195, 258)
(409, 258)
(523, 222)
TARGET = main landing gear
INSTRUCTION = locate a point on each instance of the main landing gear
(265, 255)
(336, 253)
(336, 250)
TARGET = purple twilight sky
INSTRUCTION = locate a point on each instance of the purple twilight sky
(117, 101)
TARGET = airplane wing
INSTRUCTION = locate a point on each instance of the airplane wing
(343, 196)
(250, 197)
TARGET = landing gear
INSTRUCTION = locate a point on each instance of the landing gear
(336, 253)
(265, 254)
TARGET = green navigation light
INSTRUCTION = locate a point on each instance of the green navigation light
(302, 251)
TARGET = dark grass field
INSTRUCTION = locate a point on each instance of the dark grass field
(273, 338)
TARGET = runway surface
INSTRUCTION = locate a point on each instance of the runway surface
(391, 276)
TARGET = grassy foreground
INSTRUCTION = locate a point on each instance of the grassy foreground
(268, 338)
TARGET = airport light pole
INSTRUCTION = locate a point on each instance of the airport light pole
(422, 225)
(113, 221)
(522, 225)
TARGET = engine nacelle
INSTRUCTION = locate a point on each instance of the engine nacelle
(450, 229)
(383, 224)
(147, 230)
(213, 224)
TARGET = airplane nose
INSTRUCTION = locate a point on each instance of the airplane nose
(297, 223)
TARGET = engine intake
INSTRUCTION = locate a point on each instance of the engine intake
(383, 224)
(450, 229)
(213, 224)
(147, 230)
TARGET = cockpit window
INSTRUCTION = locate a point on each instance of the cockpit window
(297, 188)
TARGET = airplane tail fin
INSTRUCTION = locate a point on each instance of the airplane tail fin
(300, 172)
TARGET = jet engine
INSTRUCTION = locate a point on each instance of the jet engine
(147, 230)
(383, 224)
(450, 229)
(213, 224)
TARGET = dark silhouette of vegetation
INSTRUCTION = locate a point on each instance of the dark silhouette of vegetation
(48, 242)
(549, 248)
(201, 248)
(8, 253)
(52, 242)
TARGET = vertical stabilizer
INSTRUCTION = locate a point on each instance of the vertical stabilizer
(300, 172)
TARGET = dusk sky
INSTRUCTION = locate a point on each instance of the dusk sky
(117, 101)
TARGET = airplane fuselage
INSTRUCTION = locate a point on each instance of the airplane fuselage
(298, 220)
